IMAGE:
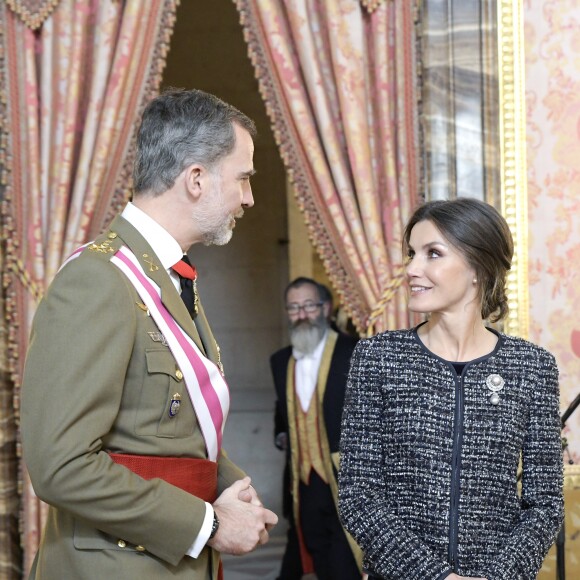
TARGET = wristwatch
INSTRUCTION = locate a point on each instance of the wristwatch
(214, 526)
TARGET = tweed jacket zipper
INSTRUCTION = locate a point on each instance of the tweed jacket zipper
(456, 470)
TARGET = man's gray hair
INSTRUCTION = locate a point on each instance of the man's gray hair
(180, 128)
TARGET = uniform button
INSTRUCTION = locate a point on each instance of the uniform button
(140, 548)
(178, 374)
(121, 543)
(112, 235)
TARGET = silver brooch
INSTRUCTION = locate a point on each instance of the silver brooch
(495, 384)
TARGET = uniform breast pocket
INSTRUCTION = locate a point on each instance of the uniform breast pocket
(164, 406)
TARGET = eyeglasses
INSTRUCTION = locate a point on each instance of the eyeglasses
(308, 307)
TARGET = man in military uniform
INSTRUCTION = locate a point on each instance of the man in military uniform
(123, 397)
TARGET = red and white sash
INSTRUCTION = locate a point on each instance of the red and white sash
(207, 388)
(74, 255)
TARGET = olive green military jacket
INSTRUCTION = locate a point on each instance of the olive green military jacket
(98, 378)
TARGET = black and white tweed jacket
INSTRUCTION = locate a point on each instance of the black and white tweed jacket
(427, 482)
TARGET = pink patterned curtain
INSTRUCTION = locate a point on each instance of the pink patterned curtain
(339, 81)
(72, 92)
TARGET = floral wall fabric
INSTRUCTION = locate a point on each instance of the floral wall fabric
(552, 38)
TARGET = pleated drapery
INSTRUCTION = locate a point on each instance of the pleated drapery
(72, 93)
(339, 81)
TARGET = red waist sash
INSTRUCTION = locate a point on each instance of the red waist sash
(195, 476)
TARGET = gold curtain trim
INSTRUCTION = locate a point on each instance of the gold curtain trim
(371, 5)
(32, 17)
(389, 292)
(513, 172)
(17, 267)
(9, 237)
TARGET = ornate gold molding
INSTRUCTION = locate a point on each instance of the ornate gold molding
(513, 174)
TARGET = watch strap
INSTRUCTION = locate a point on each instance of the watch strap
(215, 525)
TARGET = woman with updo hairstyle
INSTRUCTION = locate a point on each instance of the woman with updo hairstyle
(438, 417)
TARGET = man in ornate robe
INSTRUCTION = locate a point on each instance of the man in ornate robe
(310, 380)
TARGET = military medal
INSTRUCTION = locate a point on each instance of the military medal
(143, 307)
(175, 405)
(219, 364)
(495, 384)
(195, 296)
(158, 337)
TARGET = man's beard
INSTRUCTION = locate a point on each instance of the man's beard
(215, 228)
(221, 233)
(306, 334)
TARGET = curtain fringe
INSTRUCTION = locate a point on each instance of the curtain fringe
(389, 292)
(17, 267)
(336, 265)
(32, 17)
(371, 5)
(9, 235)
(353, 303)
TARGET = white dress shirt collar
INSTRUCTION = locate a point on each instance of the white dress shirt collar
(161, 241)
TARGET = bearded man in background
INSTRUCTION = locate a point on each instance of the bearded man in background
(310, 379)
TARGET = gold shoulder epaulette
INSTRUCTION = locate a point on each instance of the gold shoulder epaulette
(107, 244)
